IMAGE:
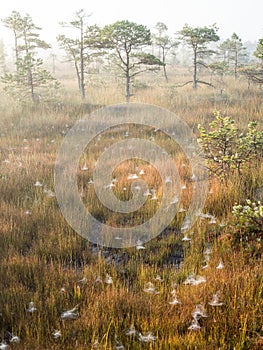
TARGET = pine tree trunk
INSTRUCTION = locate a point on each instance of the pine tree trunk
(16, 51)
(82, 76)
(128, 81)
(34, 98)
(236, 62)
(128, 78)
(195, 70)
(164, 68)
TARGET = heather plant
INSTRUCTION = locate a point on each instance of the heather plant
(249, 217)
(248, 227)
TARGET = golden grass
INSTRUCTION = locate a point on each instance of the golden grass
(43, 260)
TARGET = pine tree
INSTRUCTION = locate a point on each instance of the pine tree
(30, 81)
(198, 40)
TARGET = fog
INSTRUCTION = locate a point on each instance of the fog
(242, 17)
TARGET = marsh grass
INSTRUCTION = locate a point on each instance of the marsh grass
(43, 260)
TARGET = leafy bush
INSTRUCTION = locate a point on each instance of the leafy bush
(226, 149)
(248, 223)
(249, 216)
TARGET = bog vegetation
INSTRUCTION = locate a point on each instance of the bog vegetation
(199, 289)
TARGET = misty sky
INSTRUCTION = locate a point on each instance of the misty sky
(242, 17)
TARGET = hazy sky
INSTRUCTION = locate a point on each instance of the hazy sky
(242, 17)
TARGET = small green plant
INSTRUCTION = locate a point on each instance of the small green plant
(248, 226)
(249, 216)
(226, 149)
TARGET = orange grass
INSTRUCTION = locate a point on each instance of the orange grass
(43, 260)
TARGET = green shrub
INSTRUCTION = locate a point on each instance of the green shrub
(248, 224)
(226, 149)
